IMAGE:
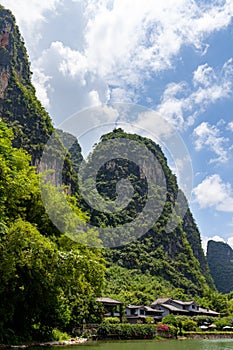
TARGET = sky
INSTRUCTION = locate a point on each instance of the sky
(174, 57)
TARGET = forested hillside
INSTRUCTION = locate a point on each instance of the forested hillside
(48, 281)
(175, 256)
(220, 260)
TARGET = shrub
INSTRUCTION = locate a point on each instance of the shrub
(203, 319)
(189, 325)
(162, 327)
(173, 330)
(149, 320)
(59, 336)
(126, 330)
(111, 320)
(166, 331)
(225, 321)
(170, 319)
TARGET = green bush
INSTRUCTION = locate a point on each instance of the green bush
(203, 319)
(173, 330)
(149, 320)
(111, 320)
(189, 325)
(141, 331)
(59, 336)
(224, 321)
(170, 319)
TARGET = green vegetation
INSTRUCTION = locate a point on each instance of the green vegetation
(220, 257)
(49, 283)
(175, 256)
(127, 331)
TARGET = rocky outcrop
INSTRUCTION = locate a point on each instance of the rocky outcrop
(5, 32)
(220, 260)
(4, 79)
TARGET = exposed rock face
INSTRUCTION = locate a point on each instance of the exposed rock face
(4, 35)
(5, 32)
(19, 107)
(4, 79)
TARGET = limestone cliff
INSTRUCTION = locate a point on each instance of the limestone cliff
(5, 49)
(19, 107)
(220, 260)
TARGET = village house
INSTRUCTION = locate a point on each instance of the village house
(157, 310)
(112, 307)
(136, 313)
(178, 307)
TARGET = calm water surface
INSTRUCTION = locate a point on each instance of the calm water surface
(221, 344)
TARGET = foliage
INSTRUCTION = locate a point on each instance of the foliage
(189, 325)
(149, 320)
(59, 336)
(133, 287)
(170, 319)
(219, 257)
(176, 256)
(201, 320)
(224, 321)
(127, 331)
(47, 281)
(111, 320)
(214, 300)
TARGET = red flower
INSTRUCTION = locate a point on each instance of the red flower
(162, 327)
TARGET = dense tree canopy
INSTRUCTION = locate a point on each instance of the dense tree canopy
(47, 281)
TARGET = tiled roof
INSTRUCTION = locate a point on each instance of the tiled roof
(134, 306)
(208, 311)
(148, 308)
(161, 301)
(108, 300)
(173, 308)
(183, 302)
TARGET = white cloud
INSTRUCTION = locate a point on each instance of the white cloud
(181, 103)
(42, 86)
(204, 75)
(213, 192)
(73, 63)
(215, 238)
(71, 87)
(29, 12)
(230, 126)
(29, 16)
(230, 241)
(127, 49)
(208, 136)
(118, 52)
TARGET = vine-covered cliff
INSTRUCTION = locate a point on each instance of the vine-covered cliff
(175, 255)
(166, 259)
(220, 260)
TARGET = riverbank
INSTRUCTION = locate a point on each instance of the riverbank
(209, 335)
(73, 341)
(77, 341)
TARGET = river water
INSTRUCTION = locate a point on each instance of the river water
(220, 344)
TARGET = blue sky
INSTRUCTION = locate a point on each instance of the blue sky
(174, 56)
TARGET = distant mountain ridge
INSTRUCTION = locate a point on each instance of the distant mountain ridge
(220, 260)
